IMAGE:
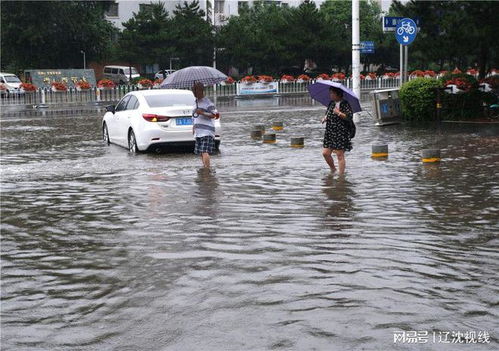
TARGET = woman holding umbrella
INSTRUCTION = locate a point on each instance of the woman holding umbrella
(341, 104)
(337, 136)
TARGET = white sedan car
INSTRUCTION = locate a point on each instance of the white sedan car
(148, 120)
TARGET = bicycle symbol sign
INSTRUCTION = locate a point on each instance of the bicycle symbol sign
(406, 31)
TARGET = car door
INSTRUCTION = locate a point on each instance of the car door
(116, 122)
(125, 119)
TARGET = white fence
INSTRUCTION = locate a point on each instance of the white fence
(94, 95)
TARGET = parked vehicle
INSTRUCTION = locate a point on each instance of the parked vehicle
(163, 73)
(148, 120)
(120, 74)
(10, 82)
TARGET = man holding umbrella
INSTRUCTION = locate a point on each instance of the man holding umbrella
(195, 77)
(203, 126)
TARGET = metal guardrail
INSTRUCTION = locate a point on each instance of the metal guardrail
(46, 96)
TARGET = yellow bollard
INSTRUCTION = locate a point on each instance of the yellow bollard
(278, 126)
(298, 142)
(259, 127)
(256, 134)
(379, 151)
(269, 138)
(430, 155)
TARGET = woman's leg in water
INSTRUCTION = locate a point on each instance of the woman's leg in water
(326, 153)
(341, 160)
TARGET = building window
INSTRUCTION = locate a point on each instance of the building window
(113, 10)
(145, 7)
(219, 6)
(284, 4)
(241, 5)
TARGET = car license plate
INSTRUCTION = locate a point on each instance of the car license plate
(183, 121)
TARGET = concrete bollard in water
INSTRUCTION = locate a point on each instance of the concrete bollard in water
(260, 127)
(269, 138)
(379, 151)
(298, 142)
(277, 125)
(430, 155)
(256, 134)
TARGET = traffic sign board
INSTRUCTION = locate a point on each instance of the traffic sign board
(390, 23)
(406, 31)
(367, 47)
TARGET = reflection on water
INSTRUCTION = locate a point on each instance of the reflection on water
(205, 194)
(103, 250)
(340, 210)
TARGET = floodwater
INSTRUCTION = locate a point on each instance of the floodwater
(105, 250)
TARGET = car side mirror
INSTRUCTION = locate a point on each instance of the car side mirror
(111, 109)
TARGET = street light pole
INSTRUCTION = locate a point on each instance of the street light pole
(355, 48)
(214, 47)
(84, 60)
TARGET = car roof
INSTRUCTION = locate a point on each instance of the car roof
(151, 92)
(7, 74)
(117, 66)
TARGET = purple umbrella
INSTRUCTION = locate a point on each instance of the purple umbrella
(320, 91)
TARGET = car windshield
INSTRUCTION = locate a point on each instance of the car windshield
(167, 100)
(12, 79)
(134, 71)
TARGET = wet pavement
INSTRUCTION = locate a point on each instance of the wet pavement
(105, 250)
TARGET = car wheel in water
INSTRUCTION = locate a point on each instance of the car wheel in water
(105, 134)
(132, 142)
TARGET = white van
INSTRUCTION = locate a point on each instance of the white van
(11, 82)
(120, 74)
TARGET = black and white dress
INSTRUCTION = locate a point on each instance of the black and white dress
(337, 135)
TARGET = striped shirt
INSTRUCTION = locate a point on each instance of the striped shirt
(204, 126)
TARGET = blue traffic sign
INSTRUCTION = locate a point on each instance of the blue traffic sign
(406, 31)
(367, 47)
(390, 23)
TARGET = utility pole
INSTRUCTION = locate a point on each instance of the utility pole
(214, 46)
(84, 59)
(355, 48)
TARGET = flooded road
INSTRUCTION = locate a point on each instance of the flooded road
(105, 250)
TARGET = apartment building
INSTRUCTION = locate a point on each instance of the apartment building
(122, 10)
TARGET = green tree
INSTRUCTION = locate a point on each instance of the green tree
(337, 15)
(306, 35)
(453, 33)
(51, 34)
(192, 35)
(147, 37)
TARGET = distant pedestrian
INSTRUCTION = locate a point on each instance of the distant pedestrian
(338, 119)
(203, 125)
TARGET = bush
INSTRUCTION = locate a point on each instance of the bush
(136, 81)
(472, 81)
(493, 81)
(466, 104)
(418, 97)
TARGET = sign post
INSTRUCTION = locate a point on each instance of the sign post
(355, 48)
(367, 47)
(405, 33)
